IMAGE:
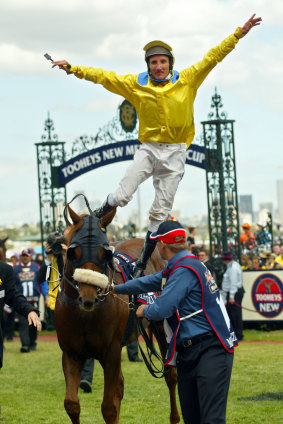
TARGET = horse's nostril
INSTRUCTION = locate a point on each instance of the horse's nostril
(88, 304)
(80, 299)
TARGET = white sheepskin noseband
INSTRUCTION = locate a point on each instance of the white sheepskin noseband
(88, 276)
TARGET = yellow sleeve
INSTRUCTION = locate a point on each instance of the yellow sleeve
(196, 74)
(118, 84)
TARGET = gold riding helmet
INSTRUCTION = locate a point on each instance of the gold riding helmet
(159, 47)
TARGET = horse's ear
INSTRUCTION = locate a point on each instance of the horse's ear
(107, 219)
(74, 217)
(4, 241)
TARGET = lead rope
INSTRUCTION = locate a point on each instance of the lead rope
(150, 349)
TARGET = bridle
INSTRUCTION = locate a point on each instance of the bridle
(90, 237)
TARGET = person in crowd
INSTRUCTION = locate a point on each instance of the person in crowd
(202, 339)
(55, 248)
(164, 101)
(270, 260)
(204, 258)
(279, 258)
(266, 259)
(27, 284)
(256, 265)
(247, 239)
(263, 236)
(191, 237)
(12, 297)
(276, 249)
(246, 262)
(233, 292)
(14, 259)
(39, 259)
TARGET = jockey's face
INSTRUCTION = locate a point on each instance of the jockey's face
(159, 66)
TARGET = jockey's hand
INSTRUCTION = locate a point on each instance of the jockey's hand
(139, 312)
(62, 64)
(231, 300)
(250, 24)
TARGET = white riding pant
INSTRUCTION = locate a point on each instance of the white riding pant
(166, 164)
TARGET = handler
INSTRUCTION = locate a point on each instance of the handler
(164, 102)
(9, 295)
(197, 321)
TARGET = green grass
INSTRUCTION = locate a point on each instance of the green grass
(32, 387)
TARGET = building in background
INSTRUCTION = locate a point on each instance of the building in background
(246, 208)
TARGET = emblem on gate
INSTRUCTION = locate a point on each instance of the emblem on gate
(267, 295)
(128, 116)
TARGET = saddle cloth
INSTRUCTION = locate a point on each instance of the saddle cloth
(127, 265)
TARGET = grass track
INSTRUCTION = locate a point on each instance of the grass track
(32, 387)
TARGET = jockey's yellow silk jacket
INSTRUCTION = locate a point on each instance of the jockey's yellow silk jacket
(165, 109)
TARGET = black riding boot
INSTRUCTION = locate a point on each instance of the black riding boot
(147, 250)
(104, 209)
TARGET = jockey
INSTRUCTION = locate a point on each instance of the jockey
(195, 318)
(164, 101)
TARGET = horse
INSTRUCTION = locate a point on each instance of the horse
(90, 321)
(3, 249)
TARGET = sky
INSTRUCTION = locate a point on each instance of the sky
(111, 35)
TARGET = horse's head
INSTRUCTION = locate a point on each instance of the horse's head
(88, 256)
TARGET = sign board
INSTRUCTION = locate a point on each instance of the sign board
(111, 153)
(263, 298)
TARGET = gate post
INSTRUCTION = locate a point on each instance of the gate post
(50, 152)
(221, 181)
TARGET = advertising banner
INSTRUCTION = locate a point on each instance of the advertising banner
(111, 153)
(263, 298)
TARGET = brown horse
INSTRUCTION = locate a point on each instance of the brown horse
(91, 324)
(3, 249)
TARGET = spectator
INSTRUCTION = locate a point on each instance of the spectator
(268, 259)
(255, 265)
(204, 258)
(276, 249)
(263, 237)
(27, 284)
(39, 259)
(10, 296)
(55, 250)
(191, 236)
(279, 258)
(247, 239)
(246, 262)
(233, 292)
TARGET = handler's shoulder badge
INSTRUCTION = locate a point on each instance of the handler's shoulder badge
(212, 286)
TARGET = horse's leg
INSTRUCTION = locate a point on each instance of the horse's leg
(171, 381)
(72, 371)
(170, 377)
(113, 386)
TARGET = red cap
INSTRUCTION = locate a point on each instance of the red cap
(170, 231)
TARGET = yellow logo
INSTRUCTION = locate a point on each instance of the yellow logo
(0, 282)
(128, 116)
(211, 282)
